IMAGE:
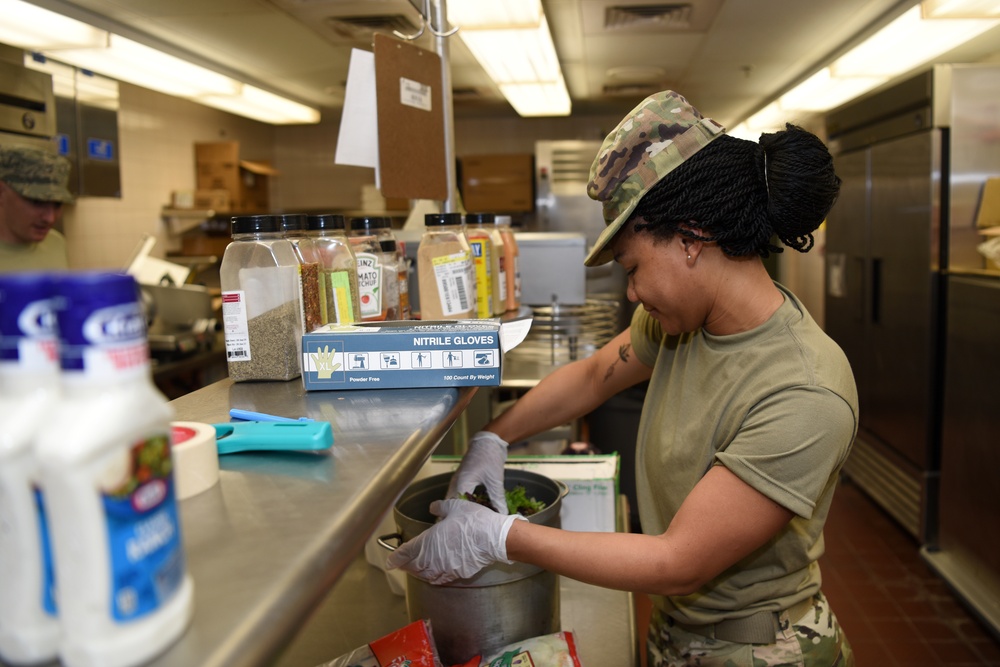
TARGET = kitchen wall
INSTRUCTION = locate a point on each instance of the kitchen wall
(156, 143)
(157, 136)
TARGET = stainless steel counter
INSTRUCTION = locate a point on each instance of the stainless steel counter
(275, 548)
(268, 542)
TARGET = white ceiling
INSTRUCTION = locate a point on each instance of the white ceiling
(729, 57)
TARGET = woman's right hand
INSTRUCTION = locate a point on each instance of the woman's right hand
(482, 465)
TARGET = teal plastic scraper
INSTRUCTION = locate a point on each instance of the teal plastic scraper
(272, 436)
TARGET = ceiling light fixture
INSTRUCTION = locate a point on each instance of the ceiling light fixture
(512, 42)
(919, 35)
(73, 42)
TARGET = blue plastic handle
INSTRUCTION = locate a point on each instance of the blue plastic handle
(250, 415)
(273, 436)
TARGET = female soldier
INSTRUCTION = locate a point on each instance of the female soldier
(750, 413)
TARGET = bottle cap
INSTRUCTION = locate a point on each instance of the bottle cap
(26, 312)
(325, 221)
(479, 218)
(366, 224)
(96, 309)
(291, 222)
(436, 219)
(253, 224)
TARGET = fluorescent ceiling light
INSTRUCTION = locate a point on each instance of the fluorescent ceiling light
(908, 42)
(538, 99)
(70, 41)
(769, 118)
(823, 91)
(914, 38)
(512, 42)
(31, 27)
(961, 9)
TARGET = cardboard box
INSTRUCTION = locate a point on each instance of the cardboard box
(592, 501)
(219, 167)
(219, 201)
(498, 183)
(410, 353)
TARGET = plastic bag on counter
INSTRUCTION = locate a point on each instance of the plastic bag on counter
(411, 645)
(555, 650)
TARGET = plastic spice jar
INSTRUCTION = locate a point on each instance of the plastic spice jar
(261, 302)
(388, 242)
(315, 301)
(338, 269)
(480, 229)
(512, 260)
(378, 284)
(444, 265)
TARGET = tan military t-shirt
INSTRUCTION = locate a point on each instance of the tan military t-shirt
(49, 255)
(778, 407)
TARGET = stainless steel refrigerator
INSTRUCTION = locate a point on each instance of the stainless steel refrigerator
(913, 160)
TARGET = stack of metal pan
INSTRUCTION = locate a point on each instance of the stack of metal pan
(561, 333)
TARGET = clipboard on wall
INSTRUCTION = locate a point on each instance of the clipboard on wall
(410, 121)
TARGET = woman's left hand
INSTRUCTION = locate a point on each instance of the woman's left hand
(468, 538)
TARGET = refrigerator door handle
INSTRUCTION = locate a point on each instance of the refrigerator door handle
(876, 288)
(860, 316)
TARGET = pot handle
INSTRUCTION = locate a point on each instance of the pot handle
(383, 541)
(563, 488)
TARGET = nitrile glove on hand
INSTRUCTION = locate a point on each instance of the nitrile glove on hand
(468, 538)
(482, 465)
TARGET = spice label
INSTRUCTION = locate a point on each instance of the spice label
(481, 261)
(502, 278)
(453, 274)
(144, 539)
(340, 286)
(234, 322)
(370, 284)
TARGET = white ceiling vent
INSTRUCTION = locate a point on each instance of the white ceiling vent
(354, 26)
(669, 16)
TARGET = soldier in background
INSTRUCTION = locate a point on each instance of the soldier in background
(32, 191)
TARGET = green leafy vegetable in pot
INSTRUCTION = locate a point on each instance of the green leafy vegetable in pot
(517, 501)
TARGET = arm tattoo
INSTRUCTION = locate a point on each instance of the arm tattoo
(623, 354)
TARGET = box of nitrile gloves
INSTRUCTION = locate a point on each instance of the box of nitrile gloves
(408, 353)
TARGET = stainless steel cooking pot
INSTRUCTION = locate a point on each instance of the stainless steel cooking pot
(499, 605)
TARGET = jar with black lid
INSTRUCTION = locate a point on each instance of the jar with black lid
(315, 302)
(339, 267)
(378, 281)
(445, 270)
(261, 301)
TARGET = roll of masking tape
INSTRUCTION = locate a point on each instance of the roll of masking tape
(196, 459)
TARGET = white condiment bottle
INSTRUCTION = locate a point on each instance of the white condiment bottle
(106, 473)
(29, 387)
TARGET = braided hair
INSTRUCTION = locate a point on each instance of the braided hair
(740, 194)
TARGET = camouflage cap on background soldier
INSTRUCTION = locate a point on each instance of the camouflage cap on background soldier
(650, 142)
(35, 173)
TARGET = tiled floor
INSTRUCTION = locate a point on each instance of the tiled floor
(895, 610)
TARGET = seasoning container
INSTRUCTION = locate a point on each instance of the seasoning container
(446, 274)
(378, 282)
(388, 242)
(512, 260)
(480, 229)
(106, 473)
(261, 302)
(315, 301)
(338, 269)
(29, 388)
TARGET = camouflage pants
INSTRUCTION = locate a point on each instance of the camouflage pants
(815, 640)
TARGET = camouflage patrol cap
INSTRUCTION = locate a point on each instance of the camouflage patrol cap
(650, 142)
(35, 173)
